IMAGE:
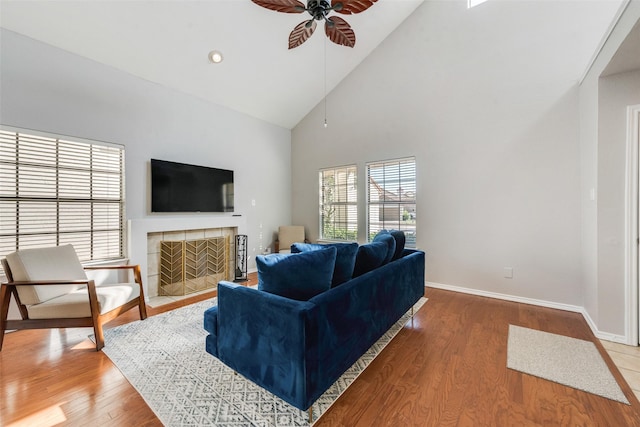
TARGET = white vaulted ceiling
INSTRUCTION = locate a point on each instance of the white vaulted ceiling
(167, 42)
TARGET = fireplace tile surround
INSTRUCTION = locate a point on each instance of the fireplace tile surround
(154, 241)
(145, 235)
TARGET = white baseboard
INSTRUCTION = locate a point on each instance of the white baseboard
(541, 303)
(621, 339)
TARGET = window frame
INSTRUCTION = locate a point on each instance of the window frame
(350, 207)
(408, 205)
(80, 178)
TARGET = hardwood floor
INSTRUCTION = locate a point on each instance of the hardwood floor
(627, 359)
(446, 368)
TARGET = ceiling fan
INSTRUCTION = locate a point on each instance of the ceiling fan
(336, 28)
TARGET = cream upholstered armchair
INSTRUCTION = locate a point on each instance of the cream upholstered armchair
(287, 236)
(52, 291)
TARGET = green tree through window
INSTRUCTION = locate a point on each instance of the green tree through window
(339, 203)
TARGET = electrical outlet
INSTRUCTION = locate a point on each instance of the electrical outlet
(508, 273)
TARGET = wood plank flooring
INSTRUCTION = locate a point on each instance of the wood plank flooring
(627, 359)
(446, 368)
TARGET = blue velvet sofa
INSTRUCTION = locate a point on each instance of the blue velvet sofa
(298, 349)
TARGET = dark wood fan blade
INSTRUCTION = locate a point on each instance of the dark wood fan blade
(349, 7)
(339, 31)
(301, 33)
(286, 6)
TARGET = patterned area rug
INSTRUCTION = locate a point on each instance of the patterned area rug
(164, 358)
(569, 361)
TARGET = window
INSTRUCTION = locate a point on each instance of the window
(339, 203)
(57, 191)
(391, 198)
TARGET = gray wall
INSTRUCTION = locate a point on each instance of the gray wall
(44, 88)
(496, 143)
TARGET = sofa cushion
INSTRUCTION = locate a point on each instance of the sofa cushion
(400, 239)
(345, 258)
(384, 236)
(76, 304)
(51, 263)
(369, 257)
(297, 276)
(400, 242)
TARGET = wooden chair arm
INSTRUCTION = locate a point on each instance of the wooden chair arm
(135, 267)
(48, 282)
(111, 267)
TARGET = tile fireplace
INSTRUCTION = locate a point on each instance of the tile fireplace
(146, 234)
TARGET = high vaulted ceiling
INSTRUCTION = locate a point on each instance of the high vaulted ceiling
(167, 42)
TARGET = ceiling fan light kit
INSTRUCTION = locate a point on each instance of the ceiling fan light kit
(336, 28)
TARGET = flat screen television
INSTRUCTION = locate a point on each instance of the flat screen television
(178, 187)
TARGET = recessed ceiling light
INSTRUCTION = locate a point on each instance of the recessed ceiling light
(215, 56)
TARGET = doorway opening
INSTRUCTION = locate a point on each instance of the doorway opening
(632, 218)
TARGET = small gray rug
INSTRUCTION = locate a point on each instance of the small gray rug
(569, 361)
(164, 358)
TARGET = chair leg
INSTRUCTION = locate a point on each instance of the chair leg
(142, 307)
(5, 298)
(310, 415)
(99, 334)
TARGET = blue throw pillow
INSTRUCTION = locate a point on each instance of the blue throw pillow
(400, 239)
(345, 258)
(370, 256)
(400, 242)
(384, 236)
(297, 276)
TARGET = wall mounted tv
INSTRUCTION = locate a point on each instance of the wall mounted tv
(178, 187)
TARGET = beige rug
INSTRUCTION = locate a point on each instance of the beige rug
(569, 361)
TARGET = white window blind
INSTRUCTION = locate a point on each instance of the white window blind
(391, 198)
(57, 191)
(339, 203)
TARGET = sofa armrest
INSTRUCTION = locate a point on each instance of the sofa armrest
(211, 326)
(408, 251)
(264, 337)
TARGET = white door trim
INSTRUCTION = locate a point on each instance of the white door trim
(631, 226)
